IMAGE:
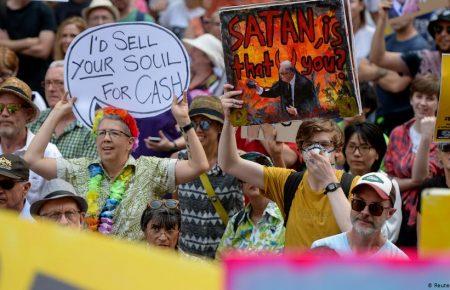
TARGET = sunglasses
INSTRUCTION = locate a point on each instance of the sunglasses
(167, 203)
(439, 28)
(203, 124)
(12, 108)
(375, 209)
(7, 184)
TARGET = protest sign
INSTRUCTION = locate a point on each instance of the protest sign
(434, 238)
(442, 130)
(134, 66)
(43, 256)
(291, 60)
(286, 132)
(292, 272)
(413, 8)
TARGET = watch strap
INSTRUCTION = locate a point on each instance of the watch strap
(187, 127)
(332, 187)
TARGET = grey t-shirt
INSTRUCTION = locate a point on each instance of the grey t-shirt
(340, 244)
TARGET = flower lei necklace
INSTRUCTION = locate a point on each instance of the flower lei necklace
(103, 220)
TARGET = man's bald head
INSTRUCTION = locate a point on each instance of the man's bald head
(286, 71)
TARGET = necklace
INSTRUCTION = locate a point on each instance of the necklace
(103, 220)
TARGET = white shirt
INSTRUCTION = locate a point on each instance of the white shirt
(363, 41)
(25, 214)
(292, 84)
(178, 15)
(37, 181)
(340, 244)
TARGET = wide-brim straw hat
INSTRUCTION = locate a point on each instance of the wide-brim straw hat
(211, 46)
(207, 106)
(101, 4)
(21, 90)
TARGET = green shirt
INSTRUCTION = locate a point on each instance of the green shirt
(76, 141)
(152, 178)
(132, 17)
(266, 235)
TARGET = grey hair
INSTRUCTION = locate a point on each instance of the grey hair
(117, 118)
(57, 63)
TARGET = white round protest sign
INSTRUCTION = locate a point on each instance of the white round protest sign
(137, 66)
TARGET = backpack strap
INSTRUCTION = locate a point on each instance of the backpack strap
(238, 219)
(139, 16)
(290, 187)
(346, 182)
(221, 212)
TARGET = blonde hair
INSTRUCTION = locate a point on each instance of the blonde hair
(79, 22)
(9, 60)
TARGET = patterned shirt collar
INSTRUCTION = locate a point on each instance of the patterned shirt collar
(270, 211)
(130, 162)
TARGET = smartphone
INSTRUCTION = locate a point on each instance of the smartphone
(154, 139)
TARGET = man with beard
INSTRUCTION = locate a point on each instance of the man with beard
(372, 205)
(412, 62)
(16, 111)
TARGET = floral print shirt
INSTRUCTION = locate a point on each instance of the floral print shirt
(153, 177)
(266, 235)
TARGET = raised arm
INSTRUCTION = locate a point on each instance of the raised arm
(420, 170)
(188, 170)
(378, 53)
(46, 167)
(229, 159)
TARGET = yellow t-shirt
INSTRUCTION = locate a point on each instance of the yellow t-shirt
(310, 216)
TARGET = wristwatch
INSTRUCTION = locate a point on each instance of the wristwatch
(186, 128)
(331, 187)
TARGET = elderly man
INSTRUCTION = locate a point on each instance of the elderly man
(70, 136)
(297, 92)
(16, 111)
(100, 12)
(372, 205)
(61, 204)
(14, 184)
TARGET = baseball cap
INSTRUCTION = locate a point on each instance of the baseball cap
(14, 167)
(57, 189)
(258, 158)
(440, 15)
(378, 181)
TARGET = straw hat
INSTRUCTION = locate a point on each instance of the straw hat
(21, 90)
(101, 4)
(211, 46)
(208, 106)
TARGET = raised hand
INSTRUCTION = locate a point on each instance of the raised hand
(65, 105)
(228, 99)
(320, 167)
(180, 111)
(427, 125)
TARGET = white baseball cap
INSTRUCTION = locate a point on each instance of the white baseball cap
(380, 182)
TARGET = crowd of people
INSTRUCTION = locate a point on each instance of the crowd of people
(186, 180)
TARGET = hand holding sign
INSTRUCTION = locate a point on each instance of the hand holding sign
(134, 66)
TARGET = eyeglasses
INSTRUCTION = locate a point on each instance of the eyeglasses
(445, 147)
(7, 184)
(71, 215)
(11, 108)
(363, 149)
(439, 28)
(375, 208)
(329, 146)
(113, 134)
(55, 83)
(168, 203)
(203, 124)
